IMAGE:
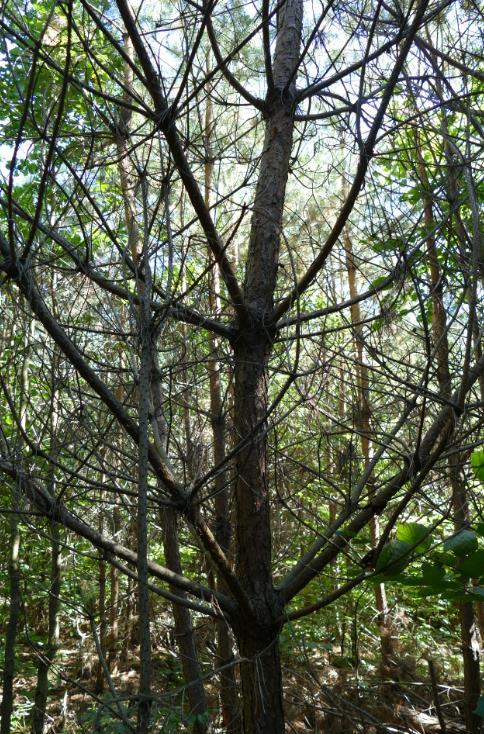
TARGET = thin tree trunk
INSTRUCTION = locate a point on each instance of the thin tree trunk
(148, 393)
(99, 687)
(228, 687)
(468, 624)
(112, 633)
(47, 656)
(6, 707)
(362, 424)
(184, 631)
(112, 637)
(144, 405)
(139, 254)
(460, 231)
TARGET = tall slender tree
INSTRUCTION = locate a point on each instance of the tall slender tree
(138, 203)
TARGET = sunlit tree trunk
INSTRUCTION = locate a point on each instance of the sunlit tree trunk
(228, 687)
(138, 250)
(362, 424)
(48, 653)
(460, 505)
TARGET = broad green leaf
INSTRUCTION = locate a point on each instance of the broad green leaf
(474, 564)
(463, 543)
(378, 282)
(432, 574)
(449, 590)
(415, 534)
(444, 558)
(394, 557)
(477, 463)
(413, 581)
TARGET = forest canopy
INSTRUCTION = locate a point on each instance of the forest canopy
(241, 367)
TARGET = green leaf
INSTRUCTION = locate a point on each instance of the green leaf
(474, 564)
(394, 557)
(432, 574)
(412, 581)
(479, 710)
(480, 529)
(477, 463)
(444, 558)
(379, 281)
(415, 534)
(461, 544)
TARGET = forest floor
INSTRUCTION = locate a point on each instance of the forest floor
(323, 694)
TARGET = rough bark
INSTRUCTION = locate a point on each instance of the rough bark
(262, 709)
(257, 638)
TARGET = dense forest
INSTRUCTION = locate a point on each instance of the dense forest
(241, 366)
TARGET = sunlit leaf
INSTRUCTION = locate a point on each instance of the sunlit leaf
(463, 543)
(415, 534)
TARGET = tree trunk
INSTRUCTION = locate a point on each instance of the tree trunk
(99, 686)
(228, 686)
(144, 403)
(113, 626)
(47, 656)
(257, 637)
(184, 630)
(138, 250)
(362, 423)
(469, 628)
(262, 705)
(6, 707)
